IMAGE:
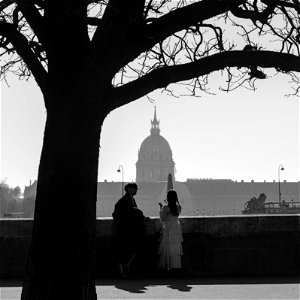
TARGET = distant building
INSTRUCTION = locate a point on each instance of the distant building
(197, 196)
(206, 197)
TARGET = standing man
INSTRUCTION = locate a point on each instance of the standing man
(129, 221)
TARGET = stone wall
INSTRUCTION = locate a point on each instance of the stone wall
(213, 246)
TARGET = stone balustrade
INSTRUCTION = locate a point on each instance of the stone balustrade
(213, 246)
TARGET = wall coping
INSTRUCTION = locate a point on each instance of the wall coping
(215, 225)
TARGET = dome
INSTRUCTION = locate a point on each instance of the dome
(155, 147)
(155, 160)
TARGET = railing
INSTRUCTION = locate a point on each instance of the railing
(283, 204)
(13, 214)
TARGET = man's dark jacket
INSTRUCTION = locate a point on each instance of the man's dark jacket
(126, 212)
(130, 230)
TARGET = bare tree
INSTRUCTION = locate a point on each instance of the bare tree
(90, 57)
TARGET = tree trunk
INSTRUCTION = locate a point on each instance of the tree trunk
(61, 257)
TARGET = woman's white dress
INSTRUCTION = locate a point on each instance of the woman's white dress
(170, 246)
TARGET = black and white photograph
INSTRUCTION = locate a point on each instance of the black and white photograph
(150, 149)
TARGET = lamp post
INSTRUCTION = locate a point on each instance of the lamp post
(120, 169)
(280, 168)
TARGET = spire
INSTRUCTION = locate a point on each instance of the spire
(155, 119)
(170, 182)
(155, 124)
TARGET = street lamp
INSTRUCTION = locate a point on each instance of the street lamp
(120, 169)
(280, 168)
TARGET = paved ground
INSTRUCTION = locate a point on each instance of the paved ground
(185, 288)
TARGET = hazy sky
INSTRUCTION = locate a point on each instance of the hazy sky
(242, 135)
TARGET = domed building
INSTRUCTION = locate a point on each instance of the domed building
(155, 160)
(197, 196)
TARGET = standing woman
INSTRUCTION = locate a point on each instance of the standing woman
(170, 246)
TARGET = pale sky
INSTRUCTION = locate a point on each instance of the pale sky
(241, 135)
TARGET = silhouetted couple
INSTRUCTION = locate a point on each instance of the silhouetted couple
(130, 231)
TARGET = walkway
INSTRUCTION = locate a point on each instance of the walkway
(185, 288)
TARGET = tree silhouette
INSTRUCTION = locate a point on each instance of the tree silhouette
(90, 57)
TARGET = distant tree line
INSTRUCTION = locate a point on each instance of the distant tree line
(9, 197)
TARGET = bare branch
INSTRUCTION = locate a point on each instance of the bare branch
(34, 19)
(22, 48)
(5, 3)
(160, 78)
(254, 14)
(183, 18)
(295, 5)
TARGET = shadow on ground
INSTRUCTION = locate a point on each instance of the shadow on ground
(139, 286)
(183, 284)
